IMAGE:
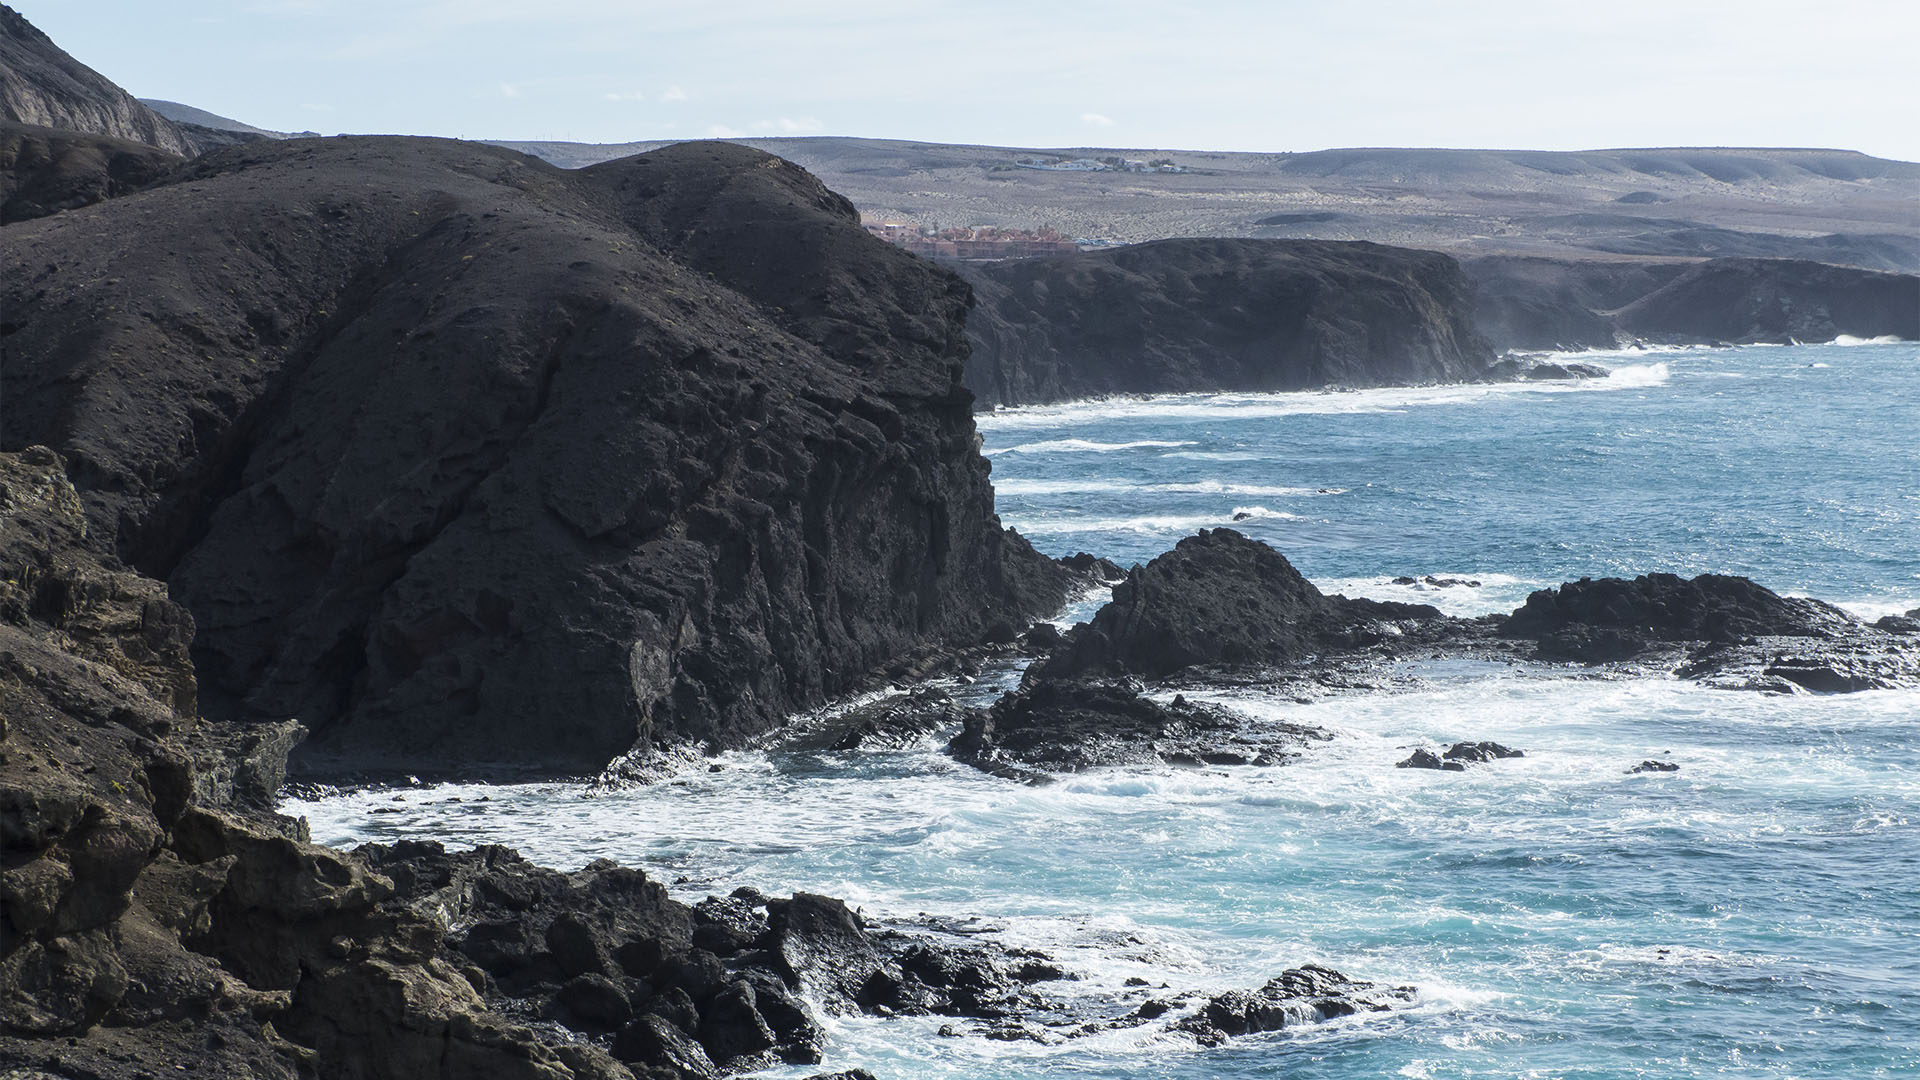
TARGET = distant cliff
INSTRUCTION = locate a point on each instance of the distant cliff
(470, 463)
(1534, 303)
(1216, 314)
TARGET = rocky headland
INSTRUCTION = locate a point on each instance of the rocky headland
(413, 426)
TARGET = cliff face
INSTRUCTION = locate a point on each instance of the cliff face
(469, 463)
(1531, 303)
(1209, 314)
(41, 85)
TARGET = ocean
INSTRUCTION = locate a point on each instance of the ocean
(1754, 914)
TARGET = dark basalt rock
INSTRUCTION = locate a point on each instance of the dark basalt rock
(1473, 752)
(411, 424)
(1056, 725)
(1219, 314)
(1458, 756)
(1219, 598)
(1652, 766)
(1298, 996)
(1908, 623)
(1608, 619)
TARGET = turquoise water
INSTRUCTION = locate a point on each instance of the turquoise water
(1756, 914)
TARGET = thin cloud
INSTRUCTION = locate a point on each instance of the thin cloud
(722, 131)
(790, 125)
(1096, 120)
(631, 95)
(674, 93)
(508, 89)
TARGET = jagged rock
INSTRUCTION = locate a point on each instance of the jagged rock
(410, 424)
(1219, 598)
(1299, 995)
(1057, 725)
(156, 924)
(1651, 765)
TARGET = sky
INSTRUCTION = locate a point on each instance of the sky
(1279, 76)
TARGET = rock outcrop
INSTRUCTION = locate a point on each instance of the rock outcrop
(44, 171)
(43, 86)
(1613, 619)
(1299, 995)
(1219, 598)
(1218, 314)
(471, 464)
(1538, 303)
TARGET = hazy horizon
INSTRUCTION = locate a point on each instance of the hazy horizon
(1488, 74)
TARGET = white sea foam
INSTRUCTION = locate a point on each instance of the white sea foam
(1848, 340)
(1078, 485)
(1214, 407)
(1494, 593)
(1082, 446)
(1146, 524)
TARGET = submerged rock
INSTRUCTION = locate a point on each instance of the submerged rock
(1056, 725)
(1651, 765)
(1298, 996)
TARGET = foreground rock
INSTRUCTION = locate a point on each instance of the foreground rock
(153, 922)
(1219, 314)
(1054, 725)
(410, 425)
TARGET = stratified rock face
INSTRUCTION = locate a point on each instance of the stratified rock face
(40, 84)
(1535, 303)
(1218, 598)
(465, 461)
(43, 171)
(1216, 314)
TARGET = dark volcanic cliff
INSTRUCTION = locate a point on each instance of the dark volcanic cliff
(1212, 314)
(468, 462)
(41, 85)
(1532, 303)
